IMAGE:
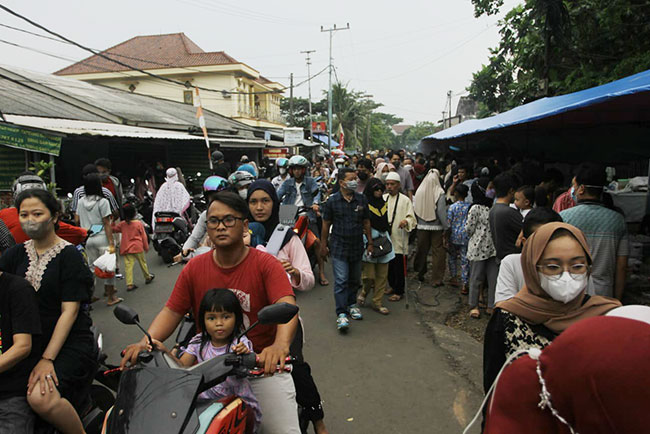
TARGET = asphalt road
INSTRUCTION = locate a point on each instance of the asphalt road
(386, 375)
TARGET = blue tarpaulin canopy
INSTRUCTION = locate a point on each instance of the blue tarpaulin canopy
(612, 119)
(323, 138)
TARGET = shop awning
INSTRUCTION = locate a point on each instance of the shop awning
(69, 126)
(228, 142)
(323, 138)
(35, 141)
(610, 122)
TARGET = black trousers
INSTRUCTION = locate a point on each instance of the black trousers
(396, 274)
(307, 395)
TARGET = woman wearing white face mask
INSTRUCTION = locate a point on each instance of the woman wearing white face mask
(555, 262)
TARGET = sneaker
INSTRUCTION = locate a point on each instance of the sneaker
(342, 322)
(355, 312)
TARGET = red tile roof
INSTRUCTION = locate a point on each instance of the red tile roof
(150, 52)
(399, 129)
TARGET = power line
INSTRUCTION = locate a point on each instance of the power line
(126, 65)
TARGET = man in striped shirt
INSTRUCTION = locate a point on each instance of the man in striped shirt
(80, 192)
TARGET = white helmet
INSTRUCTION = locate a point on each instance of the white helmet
(241, 178)
(298, 160)
(27, 182)
(340, 160)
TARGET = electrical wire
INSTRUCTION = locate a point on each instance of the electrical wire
(126, 65)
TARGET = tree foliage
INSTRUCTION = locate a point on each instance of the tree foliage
(553, 47)
(412, 136)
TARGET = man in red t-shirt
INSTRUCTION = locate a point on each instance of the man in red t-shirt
(258, 279)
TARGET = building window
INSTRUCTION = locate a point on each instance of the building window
(188, 97)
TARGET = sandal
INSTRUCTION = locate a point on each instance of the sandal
(395, 297)
(131, 288)
(381, 309)
(149, 280)
(323, 281)
(361, 299)
(464, 290)
(475, 313)
(114, 302)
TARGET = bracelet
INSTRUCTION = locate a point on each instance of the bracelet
(45, 358)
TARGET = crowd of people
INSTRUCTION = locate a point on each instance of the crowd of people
(534, 253)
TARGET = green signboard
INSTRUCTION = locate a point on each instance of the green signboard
(20, 138)
(13, 163)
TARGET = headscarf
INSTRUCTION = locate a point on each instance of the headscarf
(534, 305)
(171, 197)
(274, 218)
(427, 195)
(419, 172)
(380, 169)
(378, 161)
(377, 205)
(478, 189)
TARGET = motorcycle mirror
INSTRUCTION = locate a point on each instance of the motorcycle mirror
(125, 314)
(279, 313)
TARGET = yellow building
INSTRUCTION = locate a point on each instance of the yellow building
(245, 94)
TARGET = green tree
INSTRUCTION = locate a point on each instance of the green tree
(553, 47)
(301, 112)
(412, 136)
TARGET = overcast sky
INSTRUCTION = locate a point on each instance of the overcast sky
(407, 54)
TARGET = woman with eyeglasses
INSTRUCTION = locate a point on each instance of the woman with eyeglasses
(556, 263)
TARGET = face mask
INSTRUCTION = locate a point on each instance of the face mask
(573, 194)
(340, 166)
(243, 193)
(363, 176)
(564, 289)
(383, 176)
(35, 230)
(490, 193)
(352, 185)
(282, 170)
(408, 167)
(396, 164)
(103, 176)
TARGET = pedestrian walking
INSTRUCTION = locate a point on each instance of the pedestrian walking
(431, 212)
(401, 218)
(134, 245)
(480, 250)
(458, 239)
(374, 274)
(346, 212)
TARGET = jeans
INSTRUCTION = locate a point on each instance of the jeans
(16, 417)
(347, 279)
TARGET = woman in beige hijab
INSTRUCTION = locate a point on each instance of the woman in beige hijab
(430, 207)
(556, 264)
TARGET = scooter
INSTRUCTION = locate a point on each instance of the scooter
(170, 233)
(159, 396)
(298, 218)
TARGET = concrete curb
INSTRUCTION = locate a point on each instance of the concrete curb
(435, 306)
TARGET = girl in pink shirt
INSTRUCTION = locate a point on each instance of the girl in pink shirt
(134, 245)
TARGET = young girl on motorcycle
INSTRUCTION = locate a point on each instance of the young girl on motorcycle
(220, 320)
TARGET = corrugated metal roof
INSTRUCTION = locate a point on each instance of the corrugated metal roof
(69, 126)
(133, 108)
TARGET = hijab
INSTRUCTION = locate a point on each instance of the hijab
(377, 205)
(274, 219)
(171, 196)
(427, 195)
(478, 189)
(534, 305)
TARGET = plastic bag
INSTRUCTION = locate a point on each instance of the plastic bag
(106, 262)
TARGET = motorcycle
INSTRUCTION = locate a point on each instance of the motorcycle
(170, 233)
(158, 395)
(298, 219)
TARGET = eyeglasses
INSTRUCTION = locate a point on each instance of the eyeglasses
(228, 221)
(554, 271)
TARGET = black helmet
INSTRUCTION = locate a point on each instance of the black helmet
(217, 156)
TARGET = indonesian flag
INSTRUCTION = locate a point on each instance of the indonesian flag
(341, 137)
(199, 116)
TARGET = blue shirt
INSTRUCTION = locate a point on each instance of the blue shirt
(457, 217)
(346, 239)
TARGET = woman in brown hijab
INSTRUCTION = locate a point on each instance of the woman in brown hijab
(556, 263)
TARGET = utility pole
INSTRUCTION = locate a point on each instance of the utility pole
(291, 100)
(329, 91)
(449, 99)
(443, 119)
(311, 126)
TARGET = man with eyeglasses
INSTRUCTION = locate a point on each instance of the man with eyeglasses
(258, 279)
(604, 228)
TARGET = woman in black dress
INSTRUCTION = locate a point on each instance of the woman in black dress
(60, 381)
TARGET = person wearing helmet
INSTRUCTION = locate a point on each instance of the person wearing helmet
(219, 166)
(212, 185)
(240, 180)
(9, 216)
(282, 164)
(303, 191)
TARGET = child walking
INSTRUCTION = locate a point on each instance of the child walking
(134, 245)
(220, 319)
(458, 238)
